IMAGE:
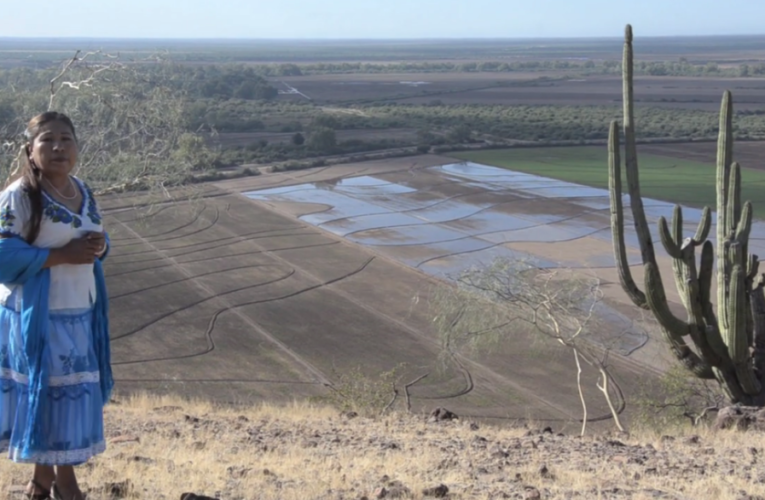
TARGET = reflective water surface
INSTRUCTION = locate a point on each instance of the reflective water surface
(452, 233)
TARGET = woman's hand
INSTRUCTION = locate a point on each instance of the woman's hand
(98, 239)
(83, 250)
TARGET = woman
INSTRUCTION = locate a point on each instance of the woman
(55, 373)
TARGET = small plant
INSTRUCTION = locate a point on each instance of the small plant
(675, 399)
(357, 391)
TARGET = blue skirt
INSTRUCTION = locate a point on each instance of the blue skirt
(73, 408)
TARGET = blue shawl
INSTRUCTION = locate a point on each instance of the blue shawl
(22, 264)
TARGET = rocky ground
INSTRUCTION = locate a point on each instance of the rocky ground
(162, 449)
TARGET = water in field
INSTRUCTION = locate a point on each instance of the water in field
(444, 235)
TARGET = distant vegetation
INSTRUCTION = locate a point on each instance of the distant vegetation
(179, 102)
(681, 67)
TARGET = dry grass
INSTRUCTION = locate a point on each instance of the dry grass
(308, 452)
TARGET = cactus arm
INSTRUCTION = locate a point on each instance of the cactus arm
(697, 321)
(617, 220)
(706, 265)
(734, 199)
(758, 315)
(630, 151)
(752, 268)
(712, 333)
(673, 328)
(705, 224)
(724, 158)
(737, 349)
(744, 225)
(738, 345)
(669, 242)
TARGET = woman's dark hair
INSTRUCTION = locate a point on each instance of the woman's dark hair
(31, 173)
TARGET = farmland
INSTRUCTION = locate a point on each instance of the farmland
(556, 88)
(269, 297)
(270, 286)
(673, 178)
(251, 97)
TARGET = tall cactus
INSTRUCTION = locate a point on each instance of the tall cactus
(729, 340)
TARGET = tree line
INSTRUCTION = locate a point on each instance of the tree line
(166, 113)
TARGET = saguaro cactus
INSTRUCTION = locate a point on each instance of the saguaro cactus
(729, 339)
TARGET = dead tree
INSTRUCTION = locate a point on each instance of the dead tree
(492, 301)
(130, 123)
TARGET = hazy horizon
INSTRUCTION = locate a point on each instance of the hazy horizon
(381, 20)
(346, 40)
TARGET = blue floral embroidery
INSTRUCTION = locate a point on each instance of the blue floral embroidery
(6, 218)
(72, 363)
(57, 213)
(67, 363)
(93, 214)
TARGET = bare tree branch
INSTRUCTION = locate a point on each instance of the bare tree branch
(561, 305)
(581, 393)
(406, 391)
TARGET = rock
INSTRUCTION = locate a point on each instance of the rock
(166, 409)
(396, 489)
(117, 489)
(545, 472)
(349, 414)
(743, 495)
(439, 491)
(741, 418)
(531, 493)
(239, 472)
(194, 496)
(441, 414)
(125, 439)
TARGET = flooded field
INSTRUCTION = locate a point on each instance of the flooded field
(442, 234)
(445, 219)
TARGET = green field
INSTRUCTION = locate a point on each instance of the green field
(679, 181)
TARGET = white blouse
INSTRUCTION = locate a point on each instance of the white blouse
(71, 286)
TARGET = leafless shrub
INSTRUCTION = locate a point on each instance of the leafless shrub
(129, 117)
(507, 297)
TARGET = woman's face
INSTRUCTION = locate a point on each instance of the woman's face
(54, 149)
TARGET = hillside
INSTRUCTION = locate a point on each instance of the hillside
(161, 448)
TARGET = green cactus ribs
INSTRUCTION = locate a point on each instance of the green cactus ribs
(727, 339)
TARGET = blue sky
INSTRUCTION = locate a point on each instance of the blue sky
(379, 18)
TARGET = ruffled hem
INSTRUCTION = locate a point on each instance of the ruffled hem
(9, 376)
(72, 425)
(67, 457)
